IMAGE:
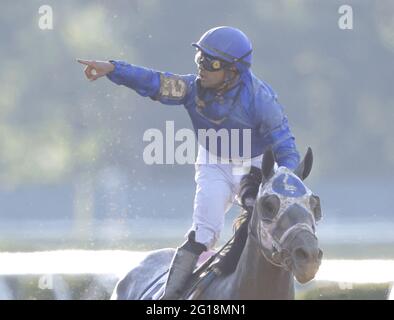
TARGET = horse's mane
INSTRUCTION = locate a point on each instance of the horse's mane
(242, 217)
(230, 256)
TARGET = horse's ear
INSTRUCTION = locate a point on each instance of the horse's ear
(304, 168)
(267, 166)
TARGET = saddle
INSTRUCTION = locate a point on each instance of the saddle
(195, 285)
(202, 275)
(208, 268)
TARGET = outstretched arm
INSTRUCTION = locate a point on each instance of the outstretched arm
(165, 87)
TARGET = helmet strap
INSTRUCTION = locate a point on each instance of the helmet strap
(230, 79)
(241, 59)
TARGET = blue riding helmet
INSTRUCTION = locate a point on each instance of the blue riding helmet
(228, 44)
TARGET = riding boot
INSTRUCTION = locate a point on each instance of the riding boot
(181, 268)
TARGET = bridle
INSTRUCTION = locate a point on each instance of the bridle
(272, 247)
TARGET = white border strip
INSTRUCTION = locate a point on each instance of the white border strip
(118, 262)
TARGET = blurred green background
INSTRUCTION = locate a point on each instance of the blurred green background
(335, 84)
(72, 173)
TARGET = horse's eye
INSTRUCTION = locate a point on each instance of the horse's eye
(314, 202)
(269, 206)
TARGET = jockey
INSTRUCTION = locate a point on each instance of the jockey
(225, 94)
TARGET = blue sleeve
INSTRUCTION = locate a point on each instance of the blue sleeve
(165, 87)
(275, 130)
(284, 147)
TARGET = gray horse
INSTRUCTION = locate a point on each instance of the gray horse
(280, 244)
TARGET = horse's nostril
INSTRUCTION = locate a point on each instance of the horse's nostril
(300, 253)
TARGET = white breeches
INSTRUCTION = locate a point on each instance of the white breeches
(216, 191)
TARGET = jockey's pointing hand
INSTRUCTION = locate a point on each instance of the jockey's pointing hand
(96, 69)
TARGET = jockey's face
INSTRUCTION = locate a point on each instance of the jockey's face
(211, 79)
(211, 70)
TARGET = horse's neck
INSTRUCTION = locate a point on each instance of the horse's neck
(257, 278)
(254, 278)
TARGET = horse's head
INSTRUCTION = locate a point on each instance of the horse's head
(284, 218)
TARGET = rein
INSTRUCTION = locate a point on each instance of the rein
(277, 245)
